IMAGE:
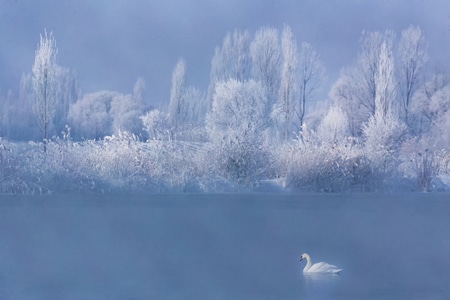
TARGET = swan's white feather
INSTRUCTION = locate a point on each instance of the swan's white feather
(320, 267)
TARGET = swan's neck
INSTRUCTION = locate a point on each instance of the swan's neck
(308, 263)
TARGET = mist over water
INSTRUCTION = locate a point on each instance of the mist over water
(230, 246)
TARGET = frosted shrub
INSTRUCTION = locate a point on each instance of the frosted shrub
(65, 167)
(21, 169)
(236, 126)
(90, 116)
(327, 168)
(155, 124)
(10, 177)
(330, 165)
(239, 159)
(126, 164)
(383, 135)
(180, 165)
(115, 160)
(119, 163)
(104, 113)
(334, 128)
(422, 162)
(284, 108)
(91, 166)
(125, 112)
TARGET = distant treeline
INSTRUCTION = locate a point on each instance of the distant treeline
(385, 125)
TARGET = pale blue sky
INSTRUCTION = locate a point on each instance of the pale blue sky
(110, 43)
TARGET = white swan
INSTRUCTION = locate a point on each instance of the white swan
(319, 267)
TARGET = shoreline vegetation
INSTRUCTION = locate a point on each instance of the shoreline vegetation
(259, 125)
(124, 164)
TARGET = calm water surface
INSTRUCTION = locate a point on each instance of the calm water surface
(244, 246)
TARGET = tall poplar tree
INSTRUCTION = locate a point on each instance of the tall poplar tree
(45, 83)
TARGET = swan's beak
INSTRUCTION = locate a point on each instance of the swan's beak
(301, 258)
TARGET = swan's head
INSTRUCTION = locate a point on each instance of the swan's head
(304, 256)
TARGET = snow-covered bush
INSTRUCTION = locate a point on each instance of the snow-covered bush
(118, 163)
(118, 160)
(104, 113)
(124, 163)
(315, 166)
(235, 127)
(10, 177)
(239, 159)
(20, 168)
(424, 162)
(326, 159)
(383, 136)
(125, 112)
(334, 127)
(90, 116)
(155, 124)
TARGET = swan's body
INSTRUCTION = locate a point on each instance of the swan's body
(320, 267)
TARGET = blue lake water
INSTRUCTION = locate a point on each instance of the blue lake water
(244, 246)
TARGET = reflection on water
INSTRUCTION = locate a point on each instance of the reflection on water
(320, 278)
(320, 285)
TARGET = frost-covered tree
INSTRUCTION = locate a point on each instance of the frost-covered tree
(420, 161)
(284, 110)
(334, 127)
(139, 91)
(177, 92)
(231, 61)
(367, 70)
(90, 116)
(45, 83)
(384, 130)
(422, 111)
(69, 93)
(235, 126)
(235, 51)
(385, 94)
(373, 43)
(439, 109)
(7, 114)
(356, 89)
(17, 118)
(425, 156)
(125, 111)
(311, 75)
(412, 58)
(237, 105)
(187, 106)
(266, 57)
(106, 112)
(155, 124)
(383, 135)
(194, 108)
(26, 120)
